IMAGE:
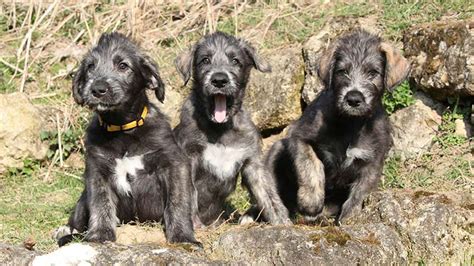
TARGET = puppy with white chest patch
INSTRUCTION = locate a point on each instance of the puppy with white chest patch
(334, 153)
(218, 134)
(134, 167)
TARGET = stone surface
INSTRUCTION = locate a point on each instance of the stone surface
(442, 56)
(394, 227)
(317, 44)
(20, 127)
(414, 128)
(273, 99)
(171, 105)
(15, 255)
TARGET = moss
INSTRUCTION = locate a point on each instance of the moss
(332, 234)
(421, 193)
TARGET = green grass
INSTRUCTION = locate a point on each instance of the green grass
(33, 208)
(448, 137)
(399, 15)
(399, 98)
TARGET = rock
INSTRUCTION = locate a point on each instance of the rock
(15, 255)
(436, 227)
(111, 253)
(394, 227)
(317, 44)
(460, 128)
(414, 128)
(171, 105)
(273, 99)
(442, 55)
(20, 126)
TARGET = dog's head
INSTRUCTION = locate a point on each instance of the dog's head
(359, 67)
(220, 65)
(113, 73)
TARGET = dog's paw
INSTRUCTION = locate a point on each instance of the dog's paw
(184, 239)
(348, 211)
(101, 236)
(246, 219)
(63, 231)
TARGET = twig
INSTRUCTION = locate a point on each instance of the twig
(69, 174)
(60, 144)
(10, 65)
(50, 167)
(27, 40)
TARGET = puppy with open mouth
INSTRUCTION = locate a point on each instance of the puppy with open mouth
(218, 134)
(134, 167)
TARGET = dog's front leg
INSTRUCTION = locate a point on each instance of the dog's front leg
(102, 219)
(178, 212)
(262, 188)
(310, 178)
(359, 190)
(197, 223)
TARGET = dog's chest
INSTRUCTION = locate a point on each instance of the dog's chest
(223, 161)
(126, 168)
(344, 157)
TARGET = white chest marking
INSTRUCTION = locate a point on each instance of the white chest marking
(123, 167)
(357, 153)
(223, 161)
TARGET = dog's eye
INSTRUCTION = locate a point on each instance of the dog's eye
(206, 61)
(373, 73)
(123, 66)
(342, 72)
(235, 62)
(90, 66)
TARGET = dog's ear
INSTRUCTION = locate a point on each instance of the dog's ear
(78, 84)
(153, 79)
(259, 63)
(397, 67)
(184, 64)
(325, 66)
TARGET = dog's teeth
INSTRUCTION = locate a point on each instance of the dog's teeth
(220, 108)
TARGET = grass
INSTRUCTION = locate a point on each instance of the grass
(399, 98)
(31, 206)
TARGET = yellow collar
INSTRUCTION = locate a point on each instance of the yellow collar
(128, 126)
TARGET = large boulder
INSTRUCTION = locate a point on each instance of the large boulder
(273, 99)
(394, 227)
(442, 56)
(20, 127)
(415, 127)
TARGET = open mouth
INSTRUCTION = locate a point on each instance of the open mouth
(220, 105)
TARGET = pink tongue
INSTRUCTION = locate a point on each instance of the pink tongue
(220, 109)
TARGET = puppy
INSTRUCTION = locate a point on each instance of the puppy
(334, 153)
(134, 167)
(218, 134)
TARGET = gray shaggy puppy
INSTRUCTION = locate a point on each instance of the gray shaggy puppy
(218, 134)
(334, 153)
(134, 167)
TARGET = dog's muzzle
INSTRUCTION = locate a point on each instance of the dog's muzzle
(220, 97)
(354, 98)
(99, 88)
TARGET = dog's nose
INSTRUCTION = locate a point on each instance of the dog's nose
(354, 98)
(219, 80)
(100, 88)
